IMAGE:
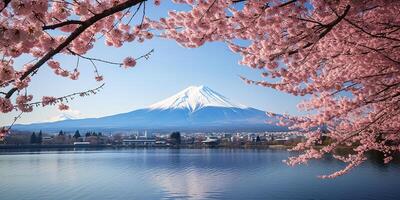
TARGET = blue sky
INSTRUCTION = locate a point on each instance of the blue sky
(170, 69)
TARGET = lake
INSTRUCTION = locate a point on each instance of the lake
(186, 174)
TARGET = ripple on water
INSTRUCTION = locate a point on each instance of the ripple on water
(185, 174)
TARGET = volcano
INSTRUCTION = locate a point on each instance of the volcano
(196, 108)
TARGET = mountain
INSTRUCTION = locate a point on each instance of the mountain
(196, 108)
(62, 116)
(195, 98)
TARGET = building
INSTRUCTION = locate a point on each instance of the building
(81, 143)
(211, 140)
(282, 140)
(139, 142)
(47, 140)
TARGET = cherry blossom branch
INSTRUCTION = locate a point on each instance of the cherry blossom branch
(116, 23)
(378, 51)
(48, 101)
(370, 34)
(86, 24)
(66, 97)
(208, 9)
(328, 27)
(146, 56)
(110, 62)
(6, 2)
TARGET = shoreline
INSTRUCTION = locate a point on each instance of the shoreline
(105, 146)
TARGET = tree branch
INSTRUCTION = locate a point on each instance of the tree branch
(6, 2)
(70, 96)
(328, 27)
(370, 34)
(61, 24)
(86, 24)
(106, 61)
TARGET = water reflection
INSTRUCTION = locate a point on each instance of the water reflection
(186, 174)
(193, 183)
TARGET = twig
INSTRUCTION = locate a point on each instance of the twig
(70, 96)
(86, 24)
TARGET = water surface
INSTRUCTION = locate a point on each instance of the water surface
(186, 174)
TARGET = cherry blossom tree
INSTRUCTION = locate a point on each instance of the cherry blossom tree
(344, 55)
(38, 30)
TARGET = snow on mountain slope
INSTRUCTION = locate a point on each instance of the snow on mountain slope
(61, 117)
(194, 98)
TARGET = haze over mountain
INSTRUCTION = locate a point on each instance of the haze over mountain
(196, 108)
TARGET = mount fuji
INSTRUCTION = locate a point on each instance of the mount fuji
(196, 108)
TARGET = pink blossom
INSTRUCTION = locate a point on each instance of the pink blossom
(22, 103)
(99, 78)
(74, 75)
(129, 62)
(47, 100)
(3, 132)
(5, 105)
(388, 159)
(62, 106)
(6, 71)
(21, 84)
(53, 64)
(64, 73)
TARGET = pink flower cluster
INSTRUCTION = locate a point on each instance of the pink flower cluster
(47, 100)
(99, 78)
(74, 75)
(62, 106)
(22, 103)
(7, 72)
(3, 131)
(5, 105)
(157, 2)
(129, 62)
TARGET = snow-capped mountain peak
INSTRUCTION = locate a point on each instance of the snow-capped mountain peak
(195, 98)
(197, 108)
